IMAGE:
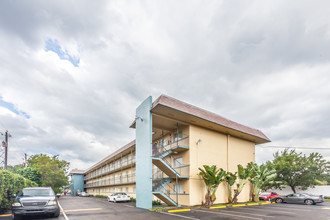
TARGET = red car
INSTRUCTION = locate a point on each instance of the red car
(268, 196)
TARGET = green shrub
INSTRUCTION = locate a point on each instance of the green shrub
(132, 199)
(327, 197)
(11, 183)
(156, 202)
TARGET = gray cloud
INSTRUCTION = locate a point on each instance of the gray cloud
(263, 64)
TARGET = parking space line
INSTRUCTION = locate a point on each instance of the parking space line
(222, 213)
(81, 210)
(241, 208)
(263, 210)
(182, 216)
(66, 217)
(129, 206)
(289, 208)
(5, 215)
(326, 208)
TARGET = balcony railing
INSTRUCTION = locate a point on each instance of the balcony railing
(115, 166)
(159, 148)
(125, 179)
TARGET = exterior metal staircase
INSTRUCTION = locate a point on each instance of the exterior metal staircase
(163, 160)
(163, 191)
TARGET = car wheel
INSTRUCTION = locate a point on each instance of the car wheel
(16, 217)
(56, 214)
(309, 202)
(279, 200)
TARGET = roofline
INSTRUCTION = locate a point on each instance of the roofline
(266, 139)
(127, 146)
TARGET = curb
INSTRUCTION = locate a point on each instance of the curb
(219, 207)
(179, 210)
(252, 204)
(239, 205)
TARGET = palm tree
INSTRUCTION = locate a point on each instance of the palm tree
(230, 179)
(243, 174)
(261, 176)
(212, 178)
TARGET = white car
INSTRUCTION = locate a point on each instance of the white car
(119, 197)
(84, 194)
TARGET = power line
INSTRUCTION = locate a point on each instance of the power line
(303, 148)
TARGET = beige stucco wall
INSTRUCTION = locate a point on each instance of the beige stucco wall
(212, 150)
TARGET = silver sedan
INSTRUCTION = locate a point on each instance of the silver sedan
(308, 199)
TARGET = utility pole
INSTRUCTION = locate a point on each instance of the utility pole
(25, 159)
(5, 145)
(6, 150)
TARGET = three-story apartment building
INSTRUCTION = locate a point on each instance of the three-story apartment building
(173, 140)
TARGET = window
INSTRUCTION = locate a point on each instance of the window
(126, 189)
(126, 176)
(177, 136)
(178, 188)
(178, 162)
(134, 189)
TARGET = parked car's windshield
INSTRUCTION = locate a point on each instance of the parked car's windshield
(123, 194)
(36, 192)
(264, 194)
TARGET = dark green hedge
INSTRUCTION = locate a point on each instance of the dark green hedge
(11, 183)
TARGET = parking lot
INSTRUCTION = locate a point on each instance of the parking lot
(96, 208)
(261, 212)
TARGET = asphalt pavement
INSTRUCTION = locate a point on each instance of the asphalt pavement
(90, 208)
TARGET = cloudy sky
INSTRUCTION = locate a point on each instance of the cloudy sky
(72, 73)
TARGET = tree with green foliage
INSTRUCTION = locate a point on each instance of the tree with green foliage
(31, 174)
(261, 176)
(15, 168)
(243, 175)
(212, 178)
(230, 179)
(51, 170)
(294, 169)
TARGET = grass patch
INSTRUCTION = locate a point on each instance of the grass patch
(101, 196)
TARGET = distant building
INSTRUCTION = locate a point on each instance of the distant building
(173, 140)
(77, 181)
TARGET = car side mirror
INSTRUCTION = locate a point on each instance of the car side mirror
(13, 195)
(58, 195)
